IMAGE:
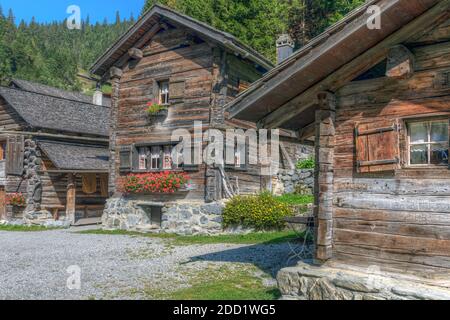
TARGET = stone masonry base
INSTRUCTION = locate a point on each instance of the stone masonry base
(308, 282)
(184, 218)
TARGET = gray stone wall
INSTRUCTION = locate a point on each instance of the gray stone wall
(295, 181)
(307, 282)
(184, 218)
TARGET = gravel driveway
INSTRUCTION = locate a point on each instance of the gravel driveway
(33, 265)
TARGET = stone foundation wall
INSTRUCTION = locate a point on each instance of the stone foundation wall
(294, 181)
(177, 217)
(306, 282)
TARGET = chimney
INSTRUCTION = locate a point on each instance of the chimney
(285, 48)
(98, 96)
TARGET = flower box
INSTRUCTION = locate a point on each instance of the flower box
(155, 183)
(155, 110)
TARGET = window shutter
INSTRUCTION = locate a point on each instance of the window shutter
(177, 88)
(134, 158)
(14, 155)
(377, 146)
(125, 158)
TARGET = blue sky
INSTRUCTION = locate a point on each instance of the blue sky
(50, 10)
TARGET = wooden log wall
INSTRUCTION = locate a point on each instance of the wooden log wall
(175, 55)
(397, 219)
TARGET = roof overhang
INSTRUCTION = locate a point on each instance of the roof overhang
(286, 96)
(150, 23)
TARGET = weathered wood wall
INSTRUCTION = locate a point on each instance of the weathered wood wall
(401, 218)
(176, 55)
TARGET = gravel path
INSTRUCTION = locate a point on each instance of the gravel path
(33, 265)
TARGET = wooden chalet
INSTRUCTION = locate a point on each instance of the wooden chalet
(173, 60)
(54, 151)
(377, 102)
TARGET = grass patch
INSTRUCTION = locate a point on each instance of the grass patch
(233, 286)
(24, 228)
(296, 199)
(251, 238)
(237, 282)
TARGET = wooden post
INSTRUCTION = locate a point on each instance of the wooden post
(71, 197)
(217, 120)
(323, 192)
(115, 74)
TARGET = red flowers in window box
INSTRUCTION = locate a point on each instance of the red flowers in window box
(155, 109)
(16, 200)
(161, 182)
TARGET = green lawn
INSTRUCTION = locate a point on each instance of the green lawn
(23, 228)
(296, 199)
(215, 283)
(233, 286)
(251, 238)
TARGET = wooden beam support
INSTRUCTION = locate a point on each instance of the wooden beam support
(116, 75)
(307, 132)
(71, 198)
(323, 184)
(400, 62)
(135, 54)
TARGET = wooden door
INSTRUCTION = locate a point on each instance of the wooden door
(2, 203)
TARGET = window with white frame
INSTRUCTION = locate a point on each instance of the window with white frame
(428, 142)
(163, 92)
(143, 157)
(155, 155)
(167, 161)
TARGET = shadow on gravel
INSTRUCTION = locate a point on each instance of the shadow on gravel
(268, 258)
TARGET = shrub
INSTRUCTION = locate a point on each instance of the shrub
(306, 164)
(16, 200)
(162, 182)
(261, 212)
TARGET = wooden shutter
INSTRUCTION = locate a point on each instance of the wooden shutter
(177, 88)
(125, 154)
(14, 155)
(377, 146)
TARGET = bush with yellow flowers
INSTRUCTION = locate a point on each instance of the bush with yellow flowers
(261, 212)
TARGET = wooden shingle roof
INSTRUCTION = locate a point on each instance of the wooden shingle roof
(283, 97)
(51, 112)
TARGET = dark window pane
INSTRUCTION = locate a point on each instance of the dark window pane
(439, 131)
(419, 154)
(439, 154)
(418, 132)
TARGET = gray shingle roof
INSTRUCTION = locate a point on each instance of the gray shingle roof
(55, 92)
(68, 156)
(49, 112)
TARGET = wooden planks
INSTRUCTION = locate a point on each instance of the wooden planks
(398, 219)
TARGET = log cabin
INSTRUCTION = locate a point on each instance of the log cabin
(377, 103)
(193, 70)
(54, 154)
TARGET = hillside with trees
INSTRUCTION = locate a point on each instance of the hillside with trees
(52, 54)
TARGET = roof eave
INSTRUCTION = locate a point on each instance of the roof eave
(222, 38)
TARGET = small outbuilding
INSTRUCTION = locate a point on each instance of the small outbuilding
(54, 156)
